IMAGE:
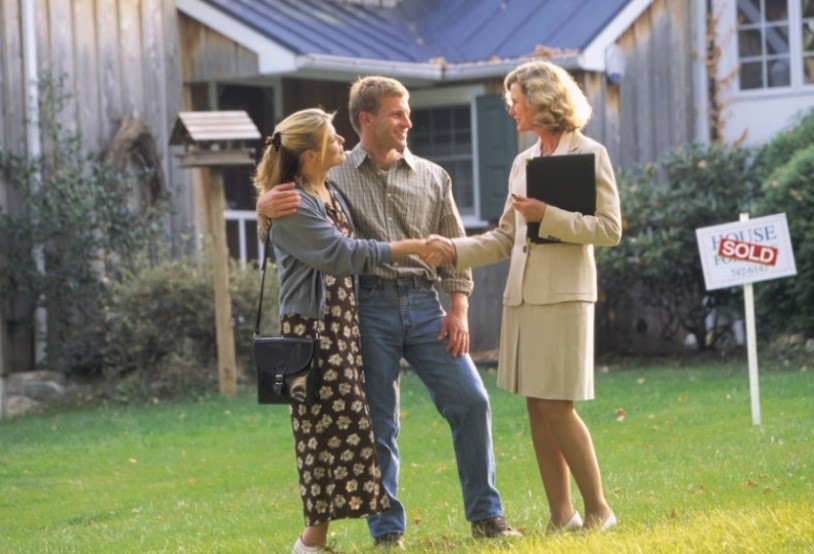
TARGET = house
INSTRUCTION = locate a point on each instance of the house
(642, 63)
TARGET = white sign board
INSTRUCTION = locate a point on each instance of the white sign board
(746, 251)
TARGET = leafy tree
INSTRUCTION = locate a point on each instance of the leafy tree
(657, 261)
(77, 226)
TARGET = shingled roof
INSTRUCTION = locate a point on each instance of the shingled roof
(441, 32)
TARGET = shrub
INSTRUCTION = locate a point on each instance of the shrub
(785, 304)
(76, 226)
(161, 324)
(781, 148)
(662, 205)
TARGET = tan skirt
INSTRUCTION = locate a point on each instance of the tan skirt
(547, 351)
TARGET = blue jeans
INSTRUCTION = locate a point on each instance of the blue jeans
(403, 318)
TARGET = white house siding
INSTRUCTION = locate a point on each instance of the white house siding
(757, 115)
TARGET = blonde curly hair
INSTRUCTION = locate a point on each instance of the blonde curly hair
(559, 104)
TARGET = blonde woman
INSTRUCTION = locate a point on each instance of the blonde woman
(546, 344)
(317, 256)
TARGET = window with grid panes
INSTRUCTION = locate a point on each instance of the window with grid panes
(444, 136)
(773, 51)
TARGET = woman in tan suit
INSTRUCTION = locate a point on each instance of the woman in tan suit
(546, 343)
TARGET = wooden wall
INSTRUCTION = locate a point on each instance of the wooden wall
(119, 58)
(652, 109)
(209, 56)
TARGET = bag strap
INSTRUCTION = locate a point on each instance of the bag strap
(266, 248)
(262, 286)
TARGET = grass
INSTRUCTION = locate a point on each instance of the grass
(683, 467)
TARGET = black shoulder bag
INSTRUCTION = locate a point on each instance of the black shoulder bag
(287, 367)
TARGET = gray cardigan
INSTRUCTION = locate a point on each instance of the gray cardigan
(306, 246)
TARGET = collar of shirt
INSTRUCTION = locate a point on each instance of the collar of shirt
(358, 155)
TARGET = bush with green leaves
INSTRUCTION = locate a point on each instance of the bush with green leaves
(785, 304)
(160, 324)
(73, 228)
(780, 149)
(657, 260)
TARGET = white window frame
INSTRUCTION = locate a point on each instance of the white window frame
(795, 20)
(451, 97)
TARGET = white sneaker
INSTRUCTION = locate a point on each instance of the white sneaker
(300, 548)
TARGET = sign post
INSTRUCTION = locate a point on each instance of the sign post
(742, 253)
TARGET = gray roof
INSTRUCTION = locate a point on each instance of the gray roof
(421, 31)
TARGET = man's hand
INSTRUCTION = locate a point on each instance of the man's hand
(438, 250)
(280, 201)
(455, 325)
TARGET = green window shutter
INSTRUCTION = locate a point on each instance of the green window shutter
(497, 147)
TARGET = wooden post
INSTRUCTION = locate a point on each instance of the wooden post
(212, 140)
(227, 366)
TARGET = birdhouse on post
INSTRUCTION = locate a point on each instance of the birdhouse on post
(211, 141)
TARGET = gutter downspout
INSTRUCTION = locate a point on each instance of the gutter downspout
(33, 144)
(33, 149)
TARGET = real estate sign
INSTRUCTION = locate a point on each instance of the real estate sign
(746, 251)
(740, 254)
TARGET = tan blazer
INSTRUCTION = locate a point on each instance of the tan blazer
(552, 272)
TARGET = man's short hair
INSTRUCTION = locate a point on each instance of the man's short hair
(365, 94)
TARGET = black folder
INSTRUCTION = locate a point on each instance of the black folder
(567, 182)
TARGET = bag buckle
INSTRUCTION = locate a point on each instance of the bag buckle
(279, 382)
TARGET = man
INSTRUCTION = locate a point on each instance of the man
(392, 195)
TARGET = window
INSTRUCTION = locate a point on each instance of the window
(773, 49)
(808, 41)
(467, 132)
(444, 135)
(763, 44)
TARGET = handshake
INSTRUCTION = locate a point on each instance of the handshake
(437, 250)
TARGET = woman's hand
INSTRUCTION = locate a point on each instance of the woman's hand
(438, 250)
(530, 208)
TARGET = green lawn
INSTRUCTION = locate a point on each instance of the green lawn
(683, 466)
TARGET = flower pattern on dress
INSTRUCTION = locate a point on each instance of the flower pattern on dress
(338, 473)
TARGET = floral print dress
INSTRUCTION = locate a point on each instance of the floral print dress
(339, 474)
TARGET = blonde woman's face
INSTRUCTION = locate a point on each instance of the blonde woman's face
(334, 148)
(519, 108)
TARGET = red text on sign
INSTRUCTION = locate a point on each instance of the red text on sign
(747, 251)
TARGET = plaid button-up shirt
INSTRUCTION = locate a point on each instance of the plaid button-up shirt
(412, 199)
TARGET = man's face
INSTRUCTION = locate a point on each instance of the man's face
(388, 127)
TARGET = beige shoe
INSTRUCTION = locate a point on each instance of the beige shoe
(574, 524)
(610, 522)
